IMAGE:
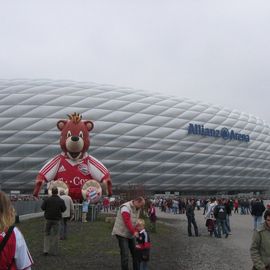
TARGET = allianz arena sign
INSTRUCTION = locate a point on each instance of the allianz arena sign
(224, 133)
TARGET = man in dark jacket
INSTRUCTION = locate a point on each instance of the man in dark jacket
(191, 217)
(228, 214)
(53, 207)
(257, 209)
(220, 214)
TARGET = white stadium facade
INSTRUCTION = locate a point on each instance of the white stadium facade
(161, 143)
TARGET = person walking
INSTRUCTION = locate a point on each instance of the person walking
(260, 247)
(198, 204)
(236, 205)
(152, 217)
(66, 215)
(228, 214)
(14, 253)
(175, 206)
(125, 231)
(257, 209)
(53, 208)
(85, 208)
(205, 206)
(210, 219)
(191, 217)
(220, 214)
(106, 204)
(247, 206)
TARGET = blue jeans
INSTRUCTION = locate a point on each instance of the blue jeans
(228, 223)
(51, 236)
(221, 224)
(126, 245)
(214, 232)
(63, 228)
(191, 220)
(143, 265)
(257, 221)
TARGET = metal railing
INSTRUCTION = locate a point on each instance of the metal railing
(27, 207)
(91, 215)
(31, 207)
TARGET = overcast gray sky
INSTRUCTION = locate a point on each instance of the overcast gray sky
(214, 51)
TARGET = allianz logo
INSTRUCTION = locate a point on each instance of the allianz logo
(223, 133)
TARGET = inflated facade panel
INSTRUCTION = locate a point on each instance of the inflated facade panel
(164, 143)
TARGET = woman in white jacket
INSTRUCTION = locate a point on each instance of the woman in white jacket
(210, 219)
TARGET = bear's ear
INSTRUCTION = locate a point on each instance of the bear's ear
(89, 125)
(60, 124)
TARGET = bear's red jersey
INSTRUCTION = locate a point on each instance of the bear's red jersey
(74, 173)
(15, 253)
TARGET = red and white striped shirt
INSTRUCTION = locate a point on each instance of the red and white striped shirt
(74, 172)
(15, 253)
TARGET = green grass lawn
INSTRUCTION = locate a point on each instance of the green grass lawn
(89, 245)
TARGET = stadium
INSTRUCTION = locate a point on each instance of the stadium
(159, 142)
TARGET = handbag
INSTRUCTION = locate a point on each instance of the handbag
(208, 222)
(4, 241)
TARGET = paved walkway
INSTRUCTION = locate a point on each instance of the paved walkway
(205, 252)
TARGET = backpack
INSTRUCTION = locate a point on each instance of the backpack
(220, 212)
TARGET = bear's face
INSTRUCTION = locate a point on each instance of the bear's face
(74, 138)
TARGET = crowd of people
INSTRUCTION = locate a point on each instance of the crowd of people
(217, 213)
(129, 228)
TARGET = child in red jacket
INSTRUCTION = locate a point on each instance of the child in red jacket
(142, 245)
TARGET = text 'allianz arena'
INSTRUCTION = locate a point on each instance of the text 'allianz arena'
(163, 143)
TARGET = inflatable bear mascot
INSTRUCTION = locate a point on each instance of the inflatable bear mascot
(74, 167)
